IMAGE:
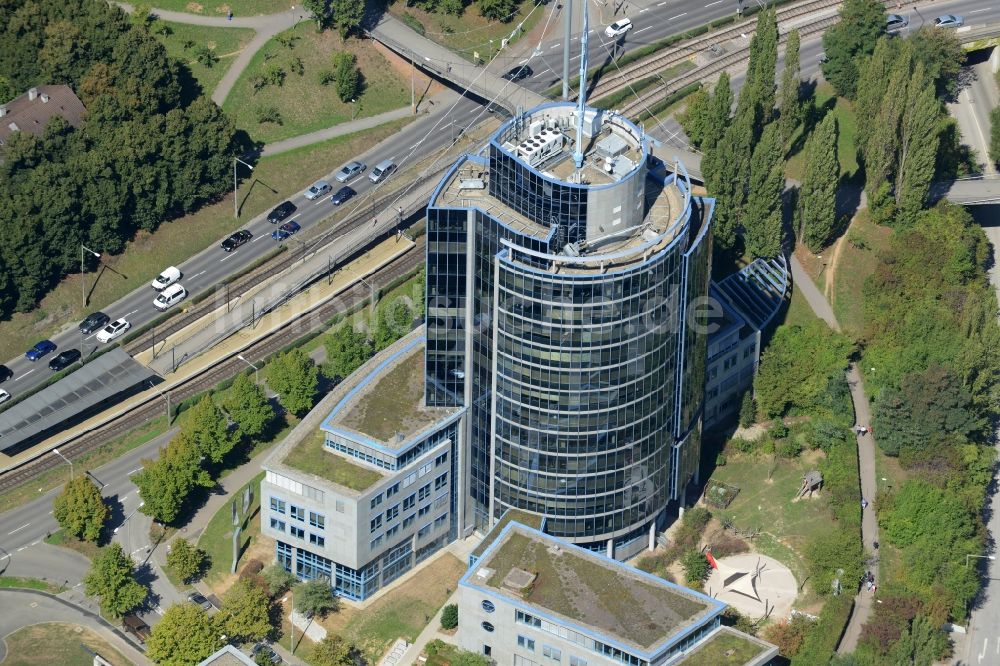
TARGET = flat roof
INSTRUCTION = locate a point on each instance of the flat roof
(523, 517)
(310, 455)
(728, 647)
(604, 597)
(69, 400)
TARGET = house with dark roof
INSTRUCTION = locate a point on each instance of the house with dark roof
(32, 111)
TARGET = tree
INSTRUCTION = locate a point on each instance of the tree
(830, 551)
(7, 91)
(277, 579)
(696, 567)
(346, 350)
(347, 75)
(920, 130)
(726, 168)
(762, 235)
(207, 428)
(392, 322)
(748, 412)
(791, 104)
(318, 9)
(80, 509)
(294, 377)
(165, 484)
(315, 597)
(112, 578)
(707, 115)
(248, 406)
(942, 55)
(449, 616)
(873, 77)
(245, 612)
(333, 650)
(498, 10)
(184, 636)
(995, 135)
(845, 43)
(187, 561)
(757, 96)
(788, 635)
(818, 197)
(346, 15)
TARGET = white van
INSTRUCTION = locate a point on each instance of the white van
(166, 278)
(169, 296)
(382, 171)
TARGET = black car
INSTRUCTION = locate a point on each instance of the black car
(237, 239)
(94, 322)
(267, 652)
(5, 373)
(518, 73)
(342, 195)
(199, 600)
(283, 210)
(64, 360)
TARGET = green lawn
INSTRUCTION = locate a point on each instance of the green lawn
(858, 259)
(725, 649)
(173, 242)
(847, 128)
(85, 548)
(309, 455)
(220, 7)
(217, 539)
(798, 312)
(58, 643)
(303, 103)
(28, 583)
(226, 43)
(470, 32)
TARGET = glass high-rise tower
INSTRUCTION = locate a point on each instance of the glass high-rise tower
(561, 311)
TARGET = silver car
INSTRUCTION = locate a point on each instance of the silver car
(318, 189)
(895, 23)
(349, 171)
(949, 21)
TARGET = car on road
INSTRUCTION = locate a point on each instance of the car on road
(199, 599)
(895, 23)
(170, 296)
(265, 650)
(382, 170)
(519, 73)
(4, 396)
(349, 171)
(237, 239)
(136, 626)
(285, 230)
(40, 349)
(498, 110)
(5, 373)
(342, 195)
(64, 360)
(93, 322)
(949, 21)
(618, 28)
(317, 189)
(115, 329)
(280, 212)
(166, 278)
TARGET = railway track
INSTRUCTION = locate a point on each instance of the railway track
(350, 298)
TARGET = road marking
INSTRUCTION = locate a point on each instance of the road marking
(983, 652)
(26, 374)
(641, 29)
(661, 4)
(159, 611)
(257, 239)
(196, 275)
(233, 253)
(129, 314)
(717, 2)
(554, 46)
(677, 17)
(976, 11)
(137, 469)
(18, 529)
(90, 336)
(643, 9)
(23, 547)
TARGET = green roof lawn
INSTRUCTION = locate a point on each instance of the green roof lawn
(585, 590)
(523, 517)
(311, 456)
(714, 652)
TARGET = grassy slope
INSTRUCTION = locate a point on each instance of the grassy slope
(847, 129)
(304, 104)
(217, 539)
(220, 7)
(58, 643)
(858, 258)
(226, 43)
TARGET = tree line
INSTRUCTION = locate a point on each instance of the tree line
(151, 147)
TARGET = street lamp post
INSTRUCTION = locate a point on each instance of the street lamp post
(83, 282)
(166, 396)
(980, 557)
(236, 203)
(70, 462)
(256, 376)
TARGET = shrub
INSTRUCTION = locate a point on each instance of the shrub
(696, 567)
(697, 517)
(205, 56)
(748, 411)
(269, 114)
(720, 460)
(277, 579)
(449, 616)
(326, 77)
(347, 76)
(411, 20)
(788, 635)
(252, 568)
(789, 448)
(744, 445)
(725, 545)
(297, 66)
(778, 431)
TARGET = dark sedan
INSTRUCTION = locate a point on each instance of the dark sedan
(64, 360)
(94, 322)
(239, 238)
(342, 195)
(285, 230)
(519, 73)
(5, 373)
(281, 211)
(40, 349)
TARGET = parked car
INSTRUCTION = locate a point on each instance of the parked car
(199, 599)
(349, 171)
(166, 278)
(172, 295)
(267, 651)
(285, 230)
(498, 110)
(342, 195)
(40, 349)
(136, 626)
(949, 21)
(382, 170)
(317, 189)
(64, 360)
(618, 28)
(280, 212)
(4, 396)
(519, 73)
(115, 329)
(5, 373)
(237, 239)
(93, 322)
(895, 22)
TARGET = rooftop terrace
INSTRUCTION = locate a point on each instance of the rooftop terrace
(588, 589)
(728, 647)
(309, 455)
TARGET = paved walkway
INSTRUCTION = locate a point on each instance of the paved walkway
(864, 600)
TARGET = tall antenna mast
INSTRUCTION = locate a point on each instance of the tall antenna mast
(582, 100)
